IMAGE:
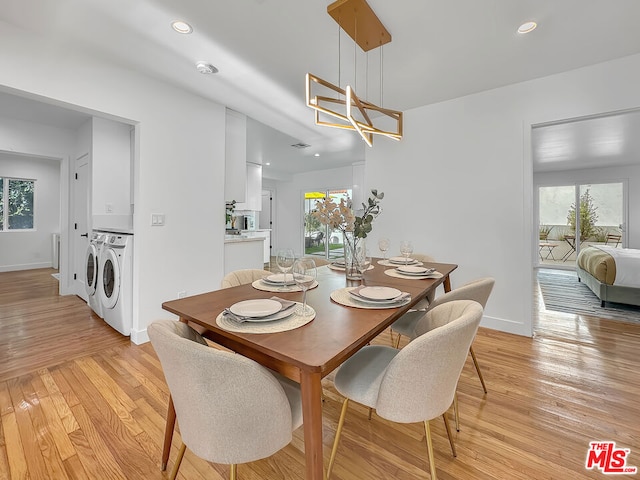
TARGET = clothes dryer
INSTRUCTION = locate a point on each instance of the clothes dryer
(93, 270)
(116, 286)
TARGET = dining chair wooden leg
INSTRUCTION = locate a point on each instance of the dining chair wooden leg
(233, 472)
(432, 461)
(446, 426)
(397, 341)
(176, 465)
(475, 362)
(456, 413)
(337, 439)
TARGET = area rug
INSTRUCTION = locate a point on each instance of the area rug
(562, 292)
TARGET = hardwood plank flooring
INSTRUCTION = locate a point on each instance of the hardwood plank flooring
(79, 401)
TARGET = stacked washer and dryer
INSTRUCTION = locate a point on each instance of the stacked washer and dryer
(109, 279)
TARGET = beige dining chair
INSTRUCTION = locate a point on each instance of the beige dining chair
(320, 261)
(417, 383)
(478, 290)
(243, 277)
(229, 408)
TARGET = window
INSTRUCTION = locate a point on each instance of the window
(16, 204)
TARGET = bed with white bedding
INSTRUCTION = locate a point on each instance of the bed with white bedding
(613, 274)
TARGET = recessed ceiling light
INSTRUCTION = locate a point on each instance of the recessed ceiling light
(268, 163)
(204, 68)
(316, 154)
(181, 26)
(527, 27)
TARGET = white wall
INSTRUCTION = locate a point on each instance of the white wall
(628, 174)
(36, 140)
(26, 249)
(290, 206)
(111, 201)
(179, 165)
(460, 182)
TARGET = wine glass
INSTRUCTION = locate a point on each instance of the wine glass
(284, 260)
(383, 245)
(304, 274)
(406, 249)
(363, 260)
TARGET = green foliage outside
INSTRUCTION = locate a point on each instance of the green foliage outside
(311, 223)
(320, 248)
(20, 204)
(545, 230)
(588, 217)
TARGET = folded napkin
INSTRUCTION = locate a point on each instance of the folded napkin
(427, 271)
(286, 305)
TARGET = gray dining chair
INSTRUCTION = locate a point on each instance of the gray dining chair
(243, 277)
(417, 383)
(230, 409)
(478, 290)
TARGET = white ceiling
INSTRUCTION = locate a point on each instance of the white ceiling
(263, 48)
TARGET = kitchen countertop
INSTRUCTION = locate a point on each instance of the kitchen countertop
(241, 238)
(256, 230)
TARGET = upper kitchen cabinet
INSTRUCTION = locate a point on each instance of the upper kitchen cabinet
(235, 180)
(254, 189)
(243, 175)
(112, 177)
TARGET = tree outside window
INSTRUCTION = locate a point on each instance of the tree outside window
(588, 217)
(16, 204)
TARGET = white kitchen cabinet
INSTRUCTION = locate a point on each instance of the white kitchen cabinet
(254, 189)
(235, 157)
(241, 252)
(266, 234)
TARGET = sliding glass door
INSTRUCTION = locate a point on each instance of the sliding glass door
(320, 240)
(572, 217)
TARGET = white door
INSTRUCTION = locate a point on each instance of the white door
(80, 225)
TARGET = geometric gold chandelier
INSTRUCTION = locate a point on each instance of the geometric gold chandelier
(343, 106)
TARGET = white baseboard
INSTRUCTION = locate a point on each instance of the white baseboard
(504, 325)
(26, 266)
(139, 336)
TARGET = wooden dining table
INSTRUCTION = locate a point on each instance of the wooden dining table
(308, 353)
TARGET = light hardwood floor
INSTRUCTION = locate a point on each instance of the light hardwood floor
(77, 400)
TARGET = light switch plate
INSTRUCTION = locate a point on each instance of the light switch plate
(157, 219)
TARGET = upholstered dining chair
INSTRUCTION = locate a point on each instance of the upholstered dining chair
(478, 290)
(242, 277)
(424, 303)
(320, 261)
(417, 383)
(229, 408)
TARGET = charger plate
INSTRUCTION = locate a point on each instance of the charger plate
(343, 297)
(289, 323)
(267, 287)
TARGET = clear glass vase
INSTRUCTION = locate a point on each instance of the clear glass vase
(354, 255)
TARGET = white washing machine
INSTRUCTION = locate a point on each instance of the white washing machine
(116, 285)
(93, 267)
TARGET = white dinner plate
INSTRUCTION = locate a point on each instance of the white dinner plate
(276, 316)
(279, 279)
(414, 270)
(402, 260)
(379, 293)
(401, 300)
(261, 307)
